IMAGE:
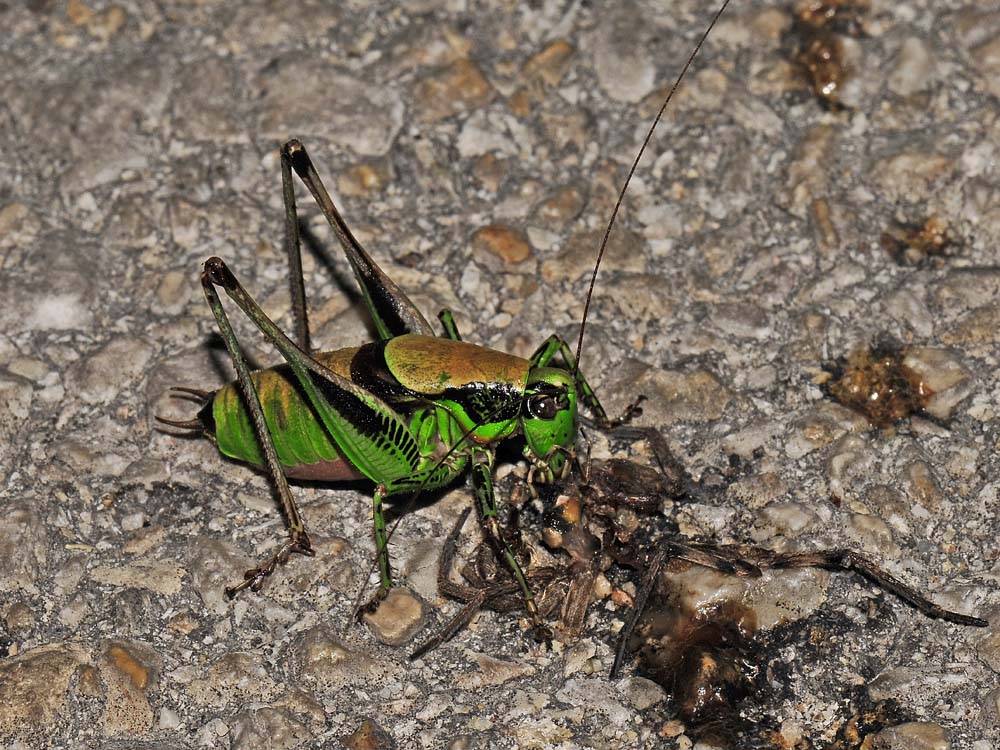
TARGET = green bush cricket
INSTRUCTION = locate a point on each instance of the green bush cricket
(410, 412)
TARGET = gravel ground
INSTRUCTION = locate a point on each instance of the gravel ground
(476, 149)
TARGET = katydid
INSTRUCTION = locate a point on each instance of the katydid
(411, 412)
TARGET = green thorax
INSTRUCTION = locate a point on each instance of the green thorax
(430, 365)
(480, 388)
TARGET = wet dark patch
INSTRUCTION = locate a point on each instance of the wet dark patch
(923, 244)
(874, 381)
(867, 718)
(725, 677)
(816, 44)
(708, 660)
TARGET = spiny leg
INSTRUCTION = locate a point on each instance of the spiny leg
(293, 249)
(713, 558)
(381, 556)
(847, 560)
(391, 310)
(638, 605)
(554, 345)
(501, 594)
(449, 550)
(462, 618)
(298, 538)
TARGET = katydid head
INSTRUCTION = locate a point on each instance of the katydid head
(548, 419)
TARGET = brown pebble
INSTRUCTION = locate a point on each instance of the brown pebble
(397, 617)
(510, 245)
(913, 735)
(362, 179)
(490, 171)
(128, 665)
(182, 623)
(19, 618)
(78, 13)
(551, 63)
(561, 206)
(459, 87)
(521, 103)
(89, 681)
(368, 736)
(108, 23)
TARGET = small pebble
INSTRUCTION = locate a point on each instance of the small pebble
(397, 618)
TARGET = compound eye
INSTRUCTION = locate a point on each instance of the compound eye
(543, 406)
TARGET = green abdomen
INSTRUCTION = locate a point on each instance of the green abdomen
(304, 448)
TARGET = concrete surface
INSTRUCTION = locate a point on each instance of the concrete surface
(476, 149)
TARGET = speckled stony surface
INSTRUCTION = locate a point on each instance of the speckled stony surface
(476, 150)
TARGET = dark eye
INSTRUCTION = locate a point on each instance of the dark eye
(542, 406)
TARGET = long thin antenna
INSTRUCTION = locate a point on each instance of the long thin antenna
(631, 171)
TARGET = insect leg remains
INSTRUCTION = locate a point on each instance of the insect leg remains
(503, 595)
(474, 598)
(847, 560)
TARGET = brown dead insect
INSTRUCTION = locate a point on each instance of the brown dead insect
(745, 559)
(581, 516)
(822, 60)
(875, 382)
(702, 657)
(817, 35)
(922, 244)
(487, 586)
(709, 659)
